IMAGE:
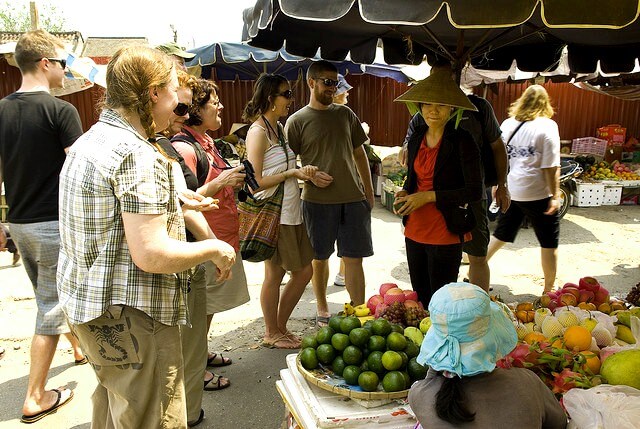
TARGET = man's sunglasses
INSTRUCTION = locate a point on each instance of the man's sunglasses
(288, 94)
(63, 63)
(329, 82)
(181, 109)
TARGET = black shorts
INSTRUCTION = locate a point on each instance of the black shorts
(479, 242)
(349, 224)
(546, 227)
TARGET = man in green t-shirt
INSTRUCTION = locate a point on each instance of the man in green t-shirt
(337, 202)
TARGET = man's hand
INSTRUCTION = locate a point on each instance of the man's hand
(321, 179)
(554, 205)
(194, 201)
(502, 197)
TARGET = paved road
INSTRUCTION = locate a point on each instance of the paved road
(603, 242)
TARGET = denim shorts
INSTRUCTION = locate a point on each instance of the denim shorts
(348, 223)
(39, 244)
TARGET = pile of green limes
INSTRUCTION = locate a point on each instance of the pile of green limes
(364, 355)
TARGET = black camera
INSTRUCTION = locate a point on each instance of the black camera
(250, 175)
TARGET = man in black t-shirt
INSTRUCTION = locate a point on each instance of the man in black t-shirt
(36, 130)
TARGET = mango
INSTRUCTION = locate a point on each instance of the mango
(622, 368)
(624, 333)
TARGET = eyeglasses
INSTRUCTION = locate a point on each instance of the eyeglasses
(63, 63)
(181, 109)
(328, 82)
(288, 94)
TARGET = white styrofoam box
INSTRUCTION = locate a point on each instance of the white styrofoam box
(378, 181)
(383, 198)
(588, 194)
(612, 195)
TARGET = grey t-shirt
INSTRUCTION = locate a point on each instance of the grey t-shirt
(326, 139)
(513, 397)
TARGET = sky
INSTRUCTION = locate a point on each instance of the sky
(198, 23)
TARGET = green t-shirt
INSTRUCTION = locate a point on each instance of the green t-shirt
(326, 139)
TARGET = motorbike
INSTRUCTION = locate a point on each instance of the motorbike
(569, 171)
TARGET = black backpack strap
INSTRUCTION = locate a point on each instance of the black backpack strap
(202, 165)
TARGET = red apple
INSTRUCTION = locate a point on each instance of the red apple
(411, 295)
(394, 295)
(573, 291)
(602, 295)
(589, 283)
(586, 296)
(553, 295)
(570, 285)
(373, 302)
(552, 305)
(384, 287)
(409, 303)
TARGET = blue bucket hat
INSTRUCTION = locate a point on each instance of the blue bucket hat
(343, 85)
(469, 332)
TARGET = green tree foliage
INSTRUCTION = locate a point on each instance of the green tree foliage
(14, 16)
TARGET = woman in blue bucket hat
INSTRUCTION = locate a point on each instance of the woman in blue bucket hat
(463, 387)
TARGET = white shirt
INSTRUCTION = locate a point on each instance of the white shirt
(536, 145)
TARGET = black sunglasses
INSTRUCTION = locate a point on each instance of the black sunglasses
(328, 82)
(288, 94)
(63, 63)
(181, 109)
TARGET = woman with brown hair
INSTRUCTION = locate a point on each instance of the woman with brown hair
(274, 164)
(216, 179)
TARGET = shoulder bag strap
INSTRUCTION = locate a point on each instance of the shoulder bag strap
(515, 131)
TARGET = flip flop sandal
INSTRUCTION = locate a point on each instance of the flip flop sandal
(59, 403)
(223, 360)
(81, 361)
(215, 383)
(285, 343)
(322, 321)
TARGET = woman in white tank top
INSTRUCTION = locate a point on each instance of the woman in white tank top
(274, 163)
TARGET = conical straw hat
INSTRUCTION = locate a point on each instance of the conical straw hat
(438, 88)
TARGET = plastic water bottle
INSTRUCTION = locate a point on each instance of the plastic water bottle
(494, 207)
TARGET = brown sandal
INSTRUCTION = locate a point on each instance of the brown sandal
(216, 383)
(224, 361)
(282, 342)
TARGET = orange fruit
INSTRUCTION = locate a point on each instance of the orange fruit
(592, 362)
(558, 344)
(577, 338)
(534, 337)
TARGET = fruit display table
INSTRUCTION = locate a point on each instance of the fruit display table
(309, 406)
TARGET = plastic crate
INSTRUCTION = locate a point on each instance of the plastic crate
(588, 194)
(590, 145)
(612, 195)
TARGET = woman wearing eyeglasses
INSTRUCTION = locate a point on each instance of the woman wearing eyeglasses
(275, 163)
(216, 179)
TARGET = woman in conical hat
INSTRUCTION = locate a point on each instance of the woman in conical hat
(444, 176)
